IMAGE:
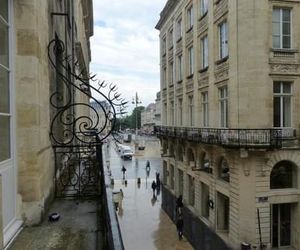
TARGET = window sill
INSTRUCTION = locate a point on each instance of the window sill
(203, 70)
(189, 29)
(220, 61)
(204, 15)
(190, 76)
(171, 85)
(164, 55)
(180, 81)
(164, 88)
(291, 51)
(171, 47)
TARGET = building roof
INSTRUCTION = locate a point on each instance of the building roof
(170, 5)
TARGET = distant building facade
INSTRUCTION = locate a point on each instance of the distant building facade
(157, 113)
(28, 85)
(230, 94)
(102, 116)
(148, 118)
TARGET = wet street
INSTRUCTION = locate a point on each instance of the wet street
(144, 225)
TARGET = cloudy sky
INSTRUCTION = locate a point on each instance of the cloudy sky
(125, 46)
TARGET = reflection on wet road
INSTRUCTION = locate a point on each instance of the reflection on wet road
(144, 225)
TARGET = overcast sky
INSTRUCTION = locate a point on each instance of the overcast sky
(125, 46)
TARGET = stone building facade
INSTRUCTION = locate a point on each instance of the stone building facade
(230, 93)
(26, 82)
(148, 118)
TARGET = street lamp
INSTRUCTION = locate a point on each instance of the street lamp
(136, 101)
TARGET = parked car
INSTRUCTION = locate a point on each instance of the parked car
(126, 152)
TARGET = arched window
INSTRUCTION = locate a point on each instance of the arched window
(224, 173)
(283, 175)
(190, 157)
(204, 163)
(180, 153)
(172, 153)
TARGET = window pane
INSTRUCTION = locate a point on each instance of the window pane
(286, 29)
(287, 88)
(4, 90)
(276, 41)
(4, 138)
(276, 112)
(287, 112)
(286, 43)
(4, 9)
(276, 15)
(276, 87)
(286, 15)
(276, 29)
(3, 44)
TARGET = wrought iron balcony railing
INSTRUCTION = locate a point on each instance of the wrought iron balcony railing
(235, 138)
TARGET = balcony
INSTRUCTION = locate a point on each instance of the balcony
(229, 138)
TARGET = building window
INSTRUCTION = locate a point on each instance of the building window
(204, 52)
(180, 153)
(164, 45)
(180, 182)
(224, 173)
(281, 225)
(282, 105)
(165, 172)
(172, 176)
(180, 120)
(179, 29)
(5, 84)
(190, 18)
(191, 191)
(165, 114)
(205, 109)
(204, 200)
(171, 38)
(223, 107)
(179, 68)
(164, 78)
(172, 113)
(281, 28)
(190, 61)
(283, 175)
(222, 212)
(203, 7)
(171, 73)
(223, 40)
(191, 110)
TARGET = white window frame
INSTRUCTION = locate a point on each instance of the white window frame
(180, 111)
(223, 39)
(282, 96)
(281, 23)
(203, 7)
(205, 116)
(171, 73)
(191, 59)
(190, 17)
(179, 29)
(171, 37)
(204, 52)
(191, 110)
(179, 68)
(223, 106)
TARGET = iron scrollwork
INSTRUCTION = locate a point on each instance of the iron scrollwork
(77, 138)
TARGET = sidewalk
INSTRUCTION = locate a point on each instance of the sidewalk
(76, 229)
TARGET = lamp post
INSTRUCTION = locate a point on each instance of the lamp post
(136, 101)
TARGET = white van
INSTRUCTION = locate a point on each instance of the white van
(126, 152)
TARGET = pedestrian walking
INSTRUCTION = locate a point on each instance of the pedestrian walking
(153, 186)
(179, 205)
(179, 226)
(124, 171)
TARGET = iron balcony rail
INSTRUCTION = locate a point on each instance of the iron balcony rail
(235, 138)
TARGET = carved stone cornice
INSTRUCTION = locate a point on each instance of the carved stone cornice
(221, 9)
(222, 72)
(166, 12)
(285, 69)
